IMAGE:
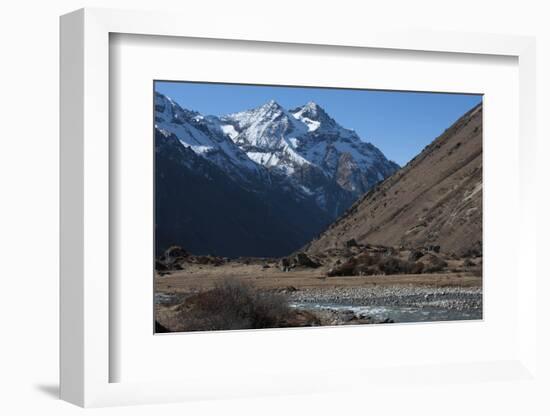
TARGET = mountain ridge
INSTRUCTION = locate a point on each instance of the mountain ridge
(435, 200)
(317, 157)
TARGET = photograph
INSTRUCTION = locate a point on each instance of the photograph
(298, 206)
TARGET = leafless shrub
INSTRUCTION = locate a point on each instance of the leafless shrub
(233, 304)
(478, 271)
(394, 265)
(345, 269)
(368, 259)
(416, 268)
(434, 264)
(368, 264)
(391, 265)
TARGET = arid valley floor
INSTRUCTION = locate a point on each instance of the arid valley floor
(318, 295)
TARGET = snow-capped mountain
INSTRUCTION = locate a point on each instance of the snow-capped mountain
(302, 155)
(205, 135)
(311, 149)
(356, 165)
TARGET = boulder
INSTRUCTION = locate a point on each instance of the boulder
(301, 259)
(344, 269)
(391, 251)
(433, 263)
(414, 255)
(284, 264)
(351, 243)
(159, 328)
(434, 248)
(175, 251)
(212, 260)
(416, 268)
(468, 263)
(160, 267)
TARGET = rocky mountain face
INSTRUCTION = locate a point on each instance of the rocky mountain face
(434, 201)
(331, 163)
(267, 178)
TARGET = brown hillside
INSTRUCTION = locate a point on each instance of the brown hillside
(435, 200)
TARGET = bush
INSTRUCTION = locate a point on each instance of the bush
(368, 264)
(414, 255)
(433, 264)
(390, 265)
(344, 269)
(416, 268)
(368, 259)
(393, 265)
(363, 270)
(477, 271)
(233, 304)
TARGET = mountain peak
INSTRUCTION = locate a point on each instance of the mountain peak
(315, 117)
(312, 105)
(167, 109)
(272, 105)
(313, 111)
(257, 115)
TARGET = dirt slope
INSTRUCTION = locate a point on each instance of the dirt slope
(436, 199)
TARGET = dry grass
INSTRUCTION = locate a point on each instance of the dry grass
(197, 278)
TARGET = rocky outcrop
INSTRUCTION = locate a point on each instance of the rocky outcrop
(299, 259)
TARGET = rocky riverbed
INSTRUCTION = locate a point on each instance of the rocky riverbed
(374, 304)
(389, 304)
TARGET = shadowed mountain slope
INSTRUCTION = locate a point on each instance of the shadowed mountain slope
(198, 206)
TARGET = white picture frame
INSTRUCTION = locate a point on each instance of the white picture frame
(86, 356)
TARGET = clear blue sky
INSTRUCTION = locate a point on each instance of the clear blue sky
(400, 124)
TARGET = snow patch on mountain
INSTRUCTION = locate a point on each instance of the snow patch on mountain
(229, 131)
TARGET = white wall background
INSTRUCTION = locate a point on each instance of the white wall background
(29, 207)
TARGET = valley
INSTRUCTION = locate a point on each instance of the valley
(277, 218)
(451, 292)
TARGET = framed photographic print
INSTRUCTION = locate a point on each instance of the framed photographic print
(272, 216)
(247, 213)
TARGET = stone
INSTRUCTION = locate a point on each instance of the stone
(301, 259)
(284, 264)
(159, 266)
(175, 251)
(414, 255)
(351, 243)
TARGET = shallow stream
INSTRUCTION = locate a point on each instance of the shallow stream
(394, 313)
